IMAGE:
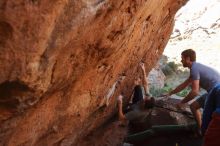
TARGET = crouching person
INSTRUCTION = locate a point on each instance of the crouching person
(138, 116)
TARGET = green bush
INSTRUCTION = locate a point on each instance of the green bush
(183, 93)
(173, 66)
(158, 92)
(170, 68)
(166, 89)
(167, 70)
(154, 91)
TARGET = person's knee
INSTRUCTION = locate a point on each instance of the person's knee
(195, 106)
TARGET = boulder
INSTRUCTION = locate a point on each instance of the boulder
(60, 58)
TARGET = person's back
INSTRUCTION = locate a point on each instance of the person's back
(138, 94)
(207, 76)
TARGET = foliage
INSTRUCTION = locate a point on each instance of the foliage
(174, 75)
(167, 70)
(158, 92)
(170, 68)
(183, 93)
(166, 89)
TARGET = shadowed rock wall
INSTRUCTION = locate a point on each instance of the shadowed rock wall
(60, 58)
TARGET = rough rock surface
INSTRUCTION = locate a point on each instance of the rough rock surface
(58, 59)
(156, 78)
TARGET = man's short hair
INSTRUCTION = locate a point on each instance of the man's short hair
(189, 53)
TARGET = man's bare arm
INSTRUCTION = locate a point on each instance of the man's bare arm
(144, 78)
(181, 86)
(193, 93)
(120, 111)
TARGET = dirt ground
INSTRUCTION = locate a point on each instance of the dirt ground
(111, 134)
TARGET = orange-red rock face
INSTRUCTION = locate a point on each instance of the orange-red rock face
(60, 58)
